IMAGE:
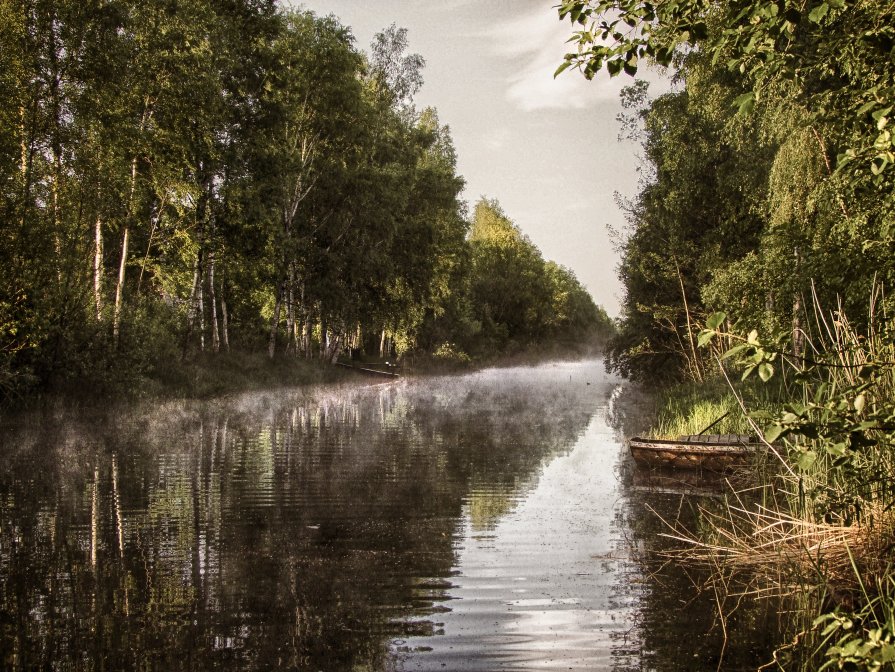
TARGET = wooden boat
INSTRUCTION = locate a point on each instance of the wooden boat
(712, 452)
(367, 370)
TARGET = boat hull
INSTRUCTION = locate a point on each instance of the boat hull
(713, 453)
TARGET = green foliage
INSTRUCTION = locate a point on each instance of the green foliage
(768, 196)
(838, 429)
(518, 298)
(756, 195)
(836, 54)
(864, 639)
(179, 180)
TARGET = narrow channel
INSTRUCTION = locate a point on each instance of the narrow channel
(474, 522)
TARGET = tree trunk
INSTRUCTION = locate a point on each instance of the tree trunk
(335, 347)
(306, 336)
(224, 324)
(98, 268)
(697, 372)
(119, 288)
(290, 311)
(275, 322)
(200, 307)
(191, 310)
(324, 338)
(215, 335)
(382, 341)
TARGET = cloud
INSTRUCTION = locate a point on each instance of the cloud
(536, 41)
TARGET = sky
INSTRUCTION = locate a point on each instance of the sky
(546, 149)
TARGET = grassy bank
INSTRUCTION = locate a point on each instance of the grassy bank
(201, 377)
(817, 527)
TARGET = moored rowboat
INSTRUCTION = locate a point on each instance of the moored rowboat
(713, 452)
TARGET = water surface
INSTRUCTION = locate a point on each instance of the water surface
(477, 522)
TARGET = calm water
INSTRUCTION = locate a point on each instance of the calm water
(484, 522)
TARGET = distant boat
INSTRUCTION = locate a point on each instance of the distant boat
(712, 452)
(374, 372)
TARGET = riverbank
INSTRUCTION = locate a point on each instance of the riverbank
(814, 526)
(209, 375)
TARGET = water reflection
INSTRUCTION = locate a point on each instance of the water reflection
(678, 627)
(287, 531)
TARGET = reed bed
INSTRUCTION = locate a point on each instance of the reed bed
(818, 526)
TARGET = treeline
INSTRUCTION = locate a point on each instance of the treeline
(762, 241)
(194, 176)
(767, 190)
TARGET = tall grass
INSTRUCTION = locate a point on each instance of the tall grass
(820, 529)
(691, 409)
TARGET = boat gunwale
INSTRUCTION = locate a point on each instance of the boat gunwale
(741, 447)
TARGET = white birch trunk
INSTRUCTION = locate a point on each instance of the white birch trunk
(200, 305)
(290, 311)
(215, 334)
(119, 288)
(98, 268)
(224, 325)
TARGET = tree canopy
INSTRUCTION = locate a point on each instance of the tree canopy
(770, 182)
(183, 178)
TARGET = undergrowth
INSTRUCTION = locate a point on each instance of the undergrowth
(819, 528)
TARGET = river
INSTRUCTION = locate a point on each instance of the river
(486, 521)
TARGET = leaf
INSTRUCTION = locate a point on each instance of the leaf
(745, 103)
(866, 107)
(715, 320)
(773, 433)
(735, 350)
(562, 68)
(860, 400)
(818, 13)
(705, 337)
(836, 449)
(765, 371)
(806, 459)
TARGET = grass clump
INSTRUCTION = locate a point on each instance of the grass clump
(688, 409)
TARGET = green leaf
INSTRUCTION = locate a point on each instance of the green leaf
(860, 400)
(735, 350)
(715, 320)
(806, 459)
(562, 68)
(765, 371)
(818, 13)
(745, 103)
(837, 449)
(773, 433)
(705, 337)
(866, 107)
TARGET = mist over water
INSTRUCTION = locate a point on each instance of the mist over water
(474, 522)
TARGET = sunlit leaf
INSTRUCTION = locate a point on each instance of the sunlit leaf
(715, 320)
(773, 433)
(818, 13)
(806, 459)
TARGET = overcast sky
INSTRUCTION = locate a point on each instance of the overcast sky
(546, 149)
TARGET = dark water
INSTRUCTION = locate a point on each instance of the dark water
(484, 522)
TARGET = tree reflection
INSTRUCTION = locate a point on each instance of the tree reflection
(266, 532)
